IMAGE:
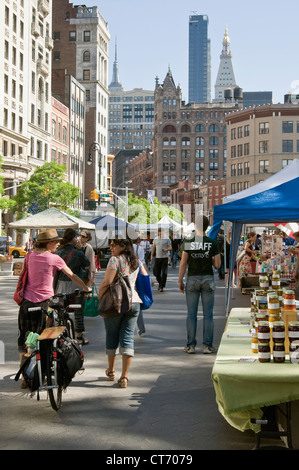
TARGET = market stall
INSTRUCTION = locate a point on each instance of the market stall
(278, 204)
(246, 381)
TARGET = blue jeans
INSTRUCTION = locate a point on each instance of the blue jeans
(197, 286)
(120, 332)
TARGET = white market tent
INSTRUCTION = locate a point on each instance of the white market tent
(51, 218)
(275, 204)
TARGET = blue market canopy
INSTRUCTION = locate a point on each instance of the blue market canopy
(277, 204)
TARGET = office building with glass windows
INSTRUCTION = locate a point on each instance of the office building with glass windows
(199, 60)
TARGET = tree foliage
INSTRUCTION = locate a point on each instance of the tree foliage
(141, 211)
(45, 188)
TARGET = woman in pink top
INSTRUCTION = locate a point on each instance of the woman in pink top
(120, 329)
(42, 266)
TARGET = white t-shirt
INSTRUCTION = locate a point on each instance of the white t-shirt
(161, 244)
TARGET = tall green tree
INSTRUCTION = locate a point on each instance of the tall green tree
(45, 188)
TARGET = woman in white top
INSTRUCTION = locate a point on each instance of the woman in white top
(120, 329)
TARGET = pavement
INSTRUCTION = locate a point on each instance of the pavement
(169, 403)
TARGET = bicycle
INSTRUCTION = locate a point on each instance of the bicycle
(43, 369)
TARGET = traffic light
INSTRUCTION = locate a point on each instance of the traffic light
(93, 194)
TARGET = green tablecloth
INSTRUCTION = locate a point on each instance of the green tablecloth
(243, 388)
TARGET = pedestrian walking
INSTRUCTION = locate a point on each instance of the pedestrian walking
(77, 262)
(139, 250)
(85, 237)
(161, 246)
(120, 329)
(199, 254)
(42, 266)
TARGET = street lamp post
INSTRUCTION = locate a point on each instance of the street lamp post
(95, 147)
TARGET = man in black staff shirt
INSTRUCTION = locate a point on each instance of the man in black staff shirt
(199, 254)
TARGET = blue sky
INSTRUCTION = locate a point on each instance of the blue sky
(152, 35)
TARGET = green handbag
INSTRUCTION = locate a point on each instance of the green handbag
(91, 306)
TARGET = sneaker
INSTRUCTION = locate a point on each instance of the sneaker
(189, 349)
(208, 349)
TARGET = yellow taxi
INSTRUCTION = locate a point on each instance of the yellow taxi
(17, 251)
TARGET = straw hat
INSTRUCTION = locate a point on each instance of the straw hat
(48, 235)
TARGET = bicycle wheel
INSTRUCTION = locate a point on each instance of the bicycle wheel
(54, 390)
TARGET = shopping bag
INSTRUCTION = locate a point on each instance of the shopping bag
(91, 305)
(144, 290)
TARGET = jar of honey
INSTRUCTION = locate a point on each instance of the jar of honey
(289, 300)
(254, 343)
(263, 332)
(275, 280)
(279, 352)
(260, 294)
(262, 307)
(264, 353)
(273, 305)
(260, 317)
(293, 331)
(264, 282)
(278, 332)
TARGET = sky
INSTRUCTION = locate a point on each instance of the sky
(153, 35)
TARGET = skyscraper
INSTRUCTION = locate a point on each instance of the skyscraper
(199, 59)
(226, 77)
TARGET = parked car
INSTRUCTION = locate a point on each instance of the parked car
(17, 251)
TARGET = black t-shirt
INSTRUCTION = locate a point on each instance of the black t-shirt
(201, 250)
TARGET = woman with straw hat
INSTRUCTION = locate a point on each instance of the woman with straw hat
(42, 266)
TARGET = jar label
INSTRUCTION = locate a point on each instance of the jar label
(264, 284)
(266, 355)
(289, 301)
(278, 334)
(273, 306)
(279, 353)
(275, 283)
(263, 335)
(293, 334)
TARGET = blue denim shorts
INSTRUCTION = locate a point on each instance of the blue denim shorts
(120, 332)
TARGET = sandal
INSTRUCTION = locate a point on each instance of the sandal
(110, 374)
(123, 382)
(81, 340)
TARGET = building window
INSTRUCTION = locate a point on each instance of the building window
(86, 36)
(264, 146)
(246, 131)
(287, 127)
(264, 128)
(287, 146)
(233, 170)
(72, 36)
(264, 166)
(246, 149)
(86, 74)
(199, 141)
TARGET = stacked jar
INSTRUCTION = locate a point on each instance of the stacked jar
(278, 335)
(289, 300)
(263, 335)
(264, 282)
(293, 331)
(275, 281)
(274, 310)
